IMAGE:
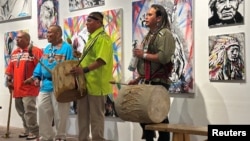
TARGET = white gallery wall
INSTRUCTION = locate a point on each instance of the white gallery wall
(212, 103)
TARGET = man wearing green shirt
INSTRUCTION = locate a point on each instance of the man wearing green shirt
(154, 59)
(97, 66)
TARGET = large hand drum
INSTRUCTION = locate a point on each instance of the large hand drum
(66, 86)
(142, 103)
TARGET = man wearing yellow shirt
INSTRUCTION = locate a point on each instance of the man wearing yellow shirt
(97, 67)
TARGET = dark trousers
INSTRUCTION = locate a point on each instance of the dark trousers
(149, 135)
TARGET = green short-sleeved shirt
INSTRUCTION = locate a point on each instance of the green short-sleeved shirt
(97, 81)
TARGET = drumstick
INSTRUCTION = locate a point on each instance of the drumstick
(114, 82)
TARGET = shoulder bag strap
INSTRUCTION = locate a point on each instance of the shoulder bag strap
(89, 47)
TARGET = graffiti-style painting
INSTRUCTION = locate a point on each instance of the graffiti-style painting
(226, 57)
(180, 17)
(82, 4)
(14, 10)
(47, 15)
(9, 45)
(75, 32)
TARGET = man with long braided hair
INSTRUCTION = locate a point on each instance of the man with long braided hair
(154, 64)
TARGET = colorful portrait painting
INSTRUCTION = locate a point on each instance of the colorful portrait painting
(14, 9)
(9, 45)
(47, 15)
(81, 4)
(180, 17)
(226, 57)
(75, 32)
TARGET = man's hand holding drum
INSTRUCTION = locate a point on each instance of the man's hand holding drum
(79, 70)
(134, 81)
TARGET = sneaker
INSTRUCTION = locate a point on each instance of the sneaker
(23, 135)
(31, 137)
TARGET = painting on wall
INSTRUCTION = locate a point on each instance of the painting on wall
(82, 4)
(47, 15)
(9, 45)
(180, 17)
(11, 10)
(226, 57)
(225, 12)
(75, 32)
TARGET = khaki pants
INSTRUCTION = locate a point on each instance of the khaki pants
(26, 109)
(91, 115)
(49, 109)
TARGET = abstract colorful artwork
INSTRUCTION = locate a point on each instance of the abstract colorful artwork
(47, 15)
(82, 4)
(14, 9)
(180, 17)
(226, 57)
(75, 32)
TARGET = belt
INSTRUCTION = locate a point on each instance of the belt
(149, 82)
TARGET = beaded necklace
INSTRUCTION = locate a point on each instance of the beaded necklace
(52, 53)
(19, 56)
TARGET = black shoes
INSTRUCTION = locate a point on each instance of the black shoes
(28, 136)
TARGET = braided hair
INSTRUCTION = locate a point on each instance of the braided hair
(164, 23)
(161, 11)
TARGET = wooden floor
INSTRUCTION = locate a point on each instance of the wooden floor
(14, 132)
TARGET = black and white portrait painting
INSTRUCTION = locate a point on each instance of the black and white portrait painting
(225, 12)
(14, 9)
(81, 4)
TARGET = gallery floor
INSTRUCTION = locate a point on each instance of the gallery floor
(14, 132)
